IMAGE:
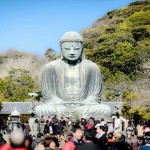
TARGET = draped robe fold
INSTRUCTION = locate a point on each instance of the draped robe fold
(53, 83)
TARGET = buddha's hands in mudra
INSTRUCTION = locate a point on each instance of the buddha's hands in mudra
(72, 103)
(87, 101)
(90, 100)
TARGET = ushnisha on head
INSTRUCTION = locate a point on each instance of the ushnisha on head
(71, 44)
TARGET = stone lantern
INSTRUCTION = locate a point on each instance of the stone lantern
(15, 119)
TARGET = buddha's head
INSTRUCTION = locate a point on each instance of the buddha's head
(71, 46)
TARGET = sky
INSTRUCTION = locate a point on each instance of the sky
(36, 25)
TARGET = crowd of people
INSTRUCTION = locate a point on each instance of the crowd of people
(72, 134)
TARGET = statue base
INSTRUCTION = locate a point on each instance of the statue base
(96, 110)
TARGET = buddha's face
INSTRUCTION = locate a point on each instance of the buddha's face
(72, 50)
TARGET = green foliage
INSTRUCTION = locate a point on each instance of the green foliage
(50, 54)
(17, 85)
(136, 104)
(140, 18)
(119, 43)
(1, 100)
(2, 59)
(116, 46)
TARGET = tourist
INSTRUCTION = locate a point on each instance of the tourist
(83, 123)
(89, 142)
(41, 124)
(140, 130)
(62, 139)
(27, 129)
(77, 134)
(101, 138)
(23, 126)
(35, 127)
(46, 128)
(2, 141)
(60, 127)
(55, 125)
(63, 121)
(89, 125)
(147, 142)
(55, 138)
(117, 123)
(31, 121)
(120, 141)
(28, 142)
(1, 125)
(104, 123)
(36, 141)
(111, 141)
(131, 139)
(16, 141)
(49, 143)
(49, 118)
(135, 142)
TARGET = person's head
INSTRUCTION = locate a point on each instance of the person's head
(77, 132)
(117, 115)
(129, 131)
(89, 134)
(39, 135)
(100, 129)
(32, 114)
(36, 121)
(72, 46)
(47, 121)
(33, 137)
(49, 142)
(17, 139)
(110, 135)
(119, 135)
(42, 116)
(56, 141)
(28, 142)
(102, 119)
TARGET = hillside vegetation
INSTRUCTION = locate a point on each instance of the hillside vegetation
(119, 43)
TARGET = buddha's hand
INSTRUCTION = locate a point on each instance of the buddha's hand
(73, 103)
(56, 100)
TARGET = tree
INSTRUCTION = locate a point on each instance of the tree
(1, 100)
(50, 54)
(17, 85)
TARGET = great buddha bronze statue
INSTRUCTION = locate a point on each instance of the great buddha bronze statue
(72, 84)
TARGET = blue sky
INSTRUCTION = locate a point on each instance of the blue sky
(35, 25)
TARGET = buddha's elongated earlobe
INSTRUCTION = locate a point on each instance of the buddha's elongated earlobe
(62, 57)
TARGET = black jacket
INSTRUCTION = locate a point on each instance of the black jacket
(102, 142)
(88, 146)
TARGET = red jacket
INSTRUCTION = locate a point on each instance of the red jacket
(69, 146)
(7, 147)
(89, 126)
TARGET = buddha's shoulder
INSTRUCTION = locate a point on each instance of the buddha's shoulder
(53, 64)
(90, 63)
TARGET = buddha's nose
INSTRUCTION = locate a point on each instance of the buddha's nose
(72, 51)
